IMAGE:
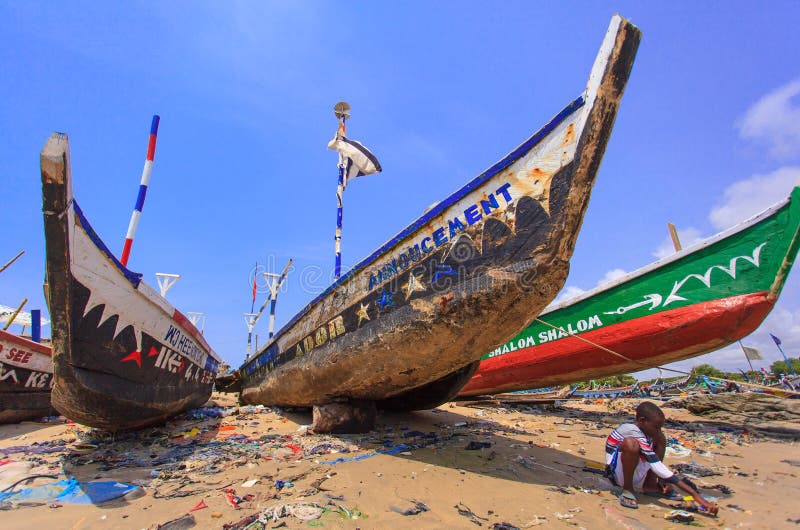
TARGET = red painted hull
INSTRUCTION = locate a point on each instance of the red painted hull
(655, 340)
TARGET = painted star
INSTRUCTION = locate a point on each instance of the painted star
(413, 285)
(362, 313)
(385, 299)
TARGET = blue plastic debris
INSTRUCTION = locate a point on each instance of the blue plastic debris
(70, 491)
(397, 449)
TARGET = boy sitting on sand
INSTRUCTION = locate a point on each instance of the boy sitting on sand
(634, 454)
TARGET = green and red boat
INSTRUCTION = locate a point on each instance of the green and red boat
(693, 302)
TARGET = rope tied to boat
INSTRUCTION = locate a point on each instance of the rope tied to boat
(659, 367)
(63, 212)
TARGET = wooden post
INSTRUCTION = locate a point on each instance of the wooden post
(14, 315)
(674, 235)
(12, 260)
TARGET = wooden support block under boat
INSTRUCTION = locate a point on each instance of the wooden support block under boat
(353, 416)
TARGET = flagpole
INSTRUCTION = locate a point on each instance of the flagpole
(342, 111)
(745, 356)
(250, 319)
(274, 286)
(255, 274)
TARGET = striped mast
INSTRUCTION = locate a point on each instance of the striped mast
(274, 286)
(137, 209)
(342, 111)
(250, 319)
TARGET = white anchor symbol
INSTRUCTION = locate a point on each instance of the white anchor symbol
(653, 299)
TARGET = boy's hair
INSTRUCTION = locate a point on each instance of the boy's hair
(649, 410)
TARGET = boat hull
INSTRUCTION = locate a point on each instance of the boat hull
(695, 302)
(654, 340)
(489, 257)
(26, 378)
(123, 356)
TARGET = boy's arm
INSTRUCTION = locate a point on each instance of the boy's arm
(710, 508)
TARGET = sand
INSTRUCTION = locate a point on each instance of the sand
(525, 468)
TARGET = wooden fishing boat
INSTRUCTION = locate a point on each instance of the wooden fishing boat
(693, 302)
(403, 325)
(606, 393)
(124, 357)
(26, 377)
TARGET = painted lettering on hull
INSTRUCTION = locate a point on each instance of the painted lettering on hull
(571, 328)
(472, 215)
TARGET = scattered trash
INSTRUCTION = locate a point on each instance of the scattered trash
(233, 500)
(725, 490)
(200, 505)
(695, 469)
(472, 446)
(82, 449)
(537, 520)
(504, 526)
(416, 508)
(679, 516)
(250, 483)
(469, 514)
(181, 523)
(677, 451)
(70, 491)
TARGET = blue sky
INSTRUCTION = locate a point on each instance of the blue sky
(708, 131)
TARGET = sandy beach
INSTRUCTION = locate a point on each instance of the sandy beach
(452, 467)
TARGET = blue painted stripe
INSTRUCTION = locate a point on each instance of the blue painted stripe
(133, 277)
(140, 198)
(154, 124)
(512, 157)
(212, 365)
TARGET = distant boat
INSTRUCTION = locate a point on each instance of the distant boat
(124, 357)
(405, 327)
(606, 393)
(26, 377)
(695, 301)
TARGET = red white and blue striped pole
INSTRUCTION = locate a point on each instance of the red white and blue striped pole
(342, 111)
(137, 209)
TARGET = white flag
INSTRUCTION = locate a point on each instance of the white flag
(752, 353)
(22, 318)
(358, 160)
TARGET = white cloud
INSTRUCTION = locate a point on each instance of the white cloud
(687, 236)
(611, 275)
(774, 120)
(567, 293)
(745, 198)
